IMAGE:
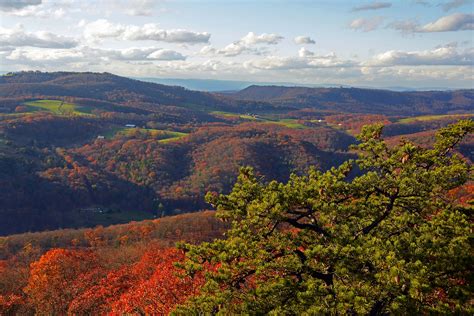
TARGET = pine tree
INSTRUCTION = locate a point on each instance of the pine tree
(376, 235)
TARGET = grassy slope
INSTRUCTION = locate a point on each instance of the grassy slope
(433, 117)
(290, 123)
(57, 107)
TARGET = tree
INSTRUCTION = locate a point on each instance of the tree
(374, 236)
(59, 276)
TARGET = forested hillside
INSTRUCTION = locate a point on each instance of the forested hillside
(362, 100)
(86, 149)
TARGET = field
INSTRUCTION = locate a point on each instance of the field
(433, 117)
(290, 123)
(163, 136)
(235, 115)
(173, 136)
(57, 107)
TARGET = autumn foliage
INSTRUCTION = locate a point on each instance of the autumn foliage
(122, 269)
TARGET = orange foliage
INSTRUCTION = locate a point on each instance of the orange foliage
(57, 277)
(160, 293)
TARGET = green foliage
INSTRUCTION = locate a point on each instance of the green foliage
(386, 241)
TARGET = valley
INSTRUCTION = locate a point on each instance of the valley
(83, 149)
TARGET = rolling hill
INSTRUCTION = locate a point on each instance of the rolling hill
(355, 100)
(86, 149)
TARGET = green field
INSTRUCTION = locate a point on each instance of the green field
(234, 115)
(174, 137)
(290, 123)
(433, 117)
(164, 136)
(57, 107)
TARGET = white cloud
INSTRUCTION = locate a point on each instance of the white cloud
(441, 56)
(249, 44)
(372, 6)
(251, 39)
(102, 28)
(166, 54)
(88, 56)
(303, 52)
(34, 55)
(450, 23)
(17, 37)
(305, 60)
(366, 25)
(300, 40)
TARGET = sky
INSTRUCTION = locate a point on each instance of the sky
(408, 43)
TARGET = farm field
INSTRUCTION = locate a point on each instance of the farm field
(163, 136)
(433, 117)
(57, 107)
(287, 122)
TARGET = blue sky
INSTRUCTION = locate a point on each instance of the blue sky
(411, 43)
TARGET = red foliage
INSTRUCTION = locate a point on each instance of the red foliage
(58, 276)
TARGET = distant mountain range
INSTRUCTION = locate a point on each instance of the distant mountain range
(214, 85)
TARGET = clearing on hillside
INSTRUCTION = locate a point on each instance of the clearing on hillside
(57, 107)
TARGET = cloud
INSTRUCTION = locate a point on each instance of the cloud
(100, 29)
(31, 8)
(450, 23)
(408, 26)
(249, 44)
(305, 60)
(300, 40)
(251, 39)
(17, 37)
(453, 4)
(132, 54)
(89, 56)
(454, 22)
(140, 7)
(8, 5)
(366, 25)
(37, 12)
(372, 6)
(447, 55)
(166, 54)
(44, 57)
(303, 52)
